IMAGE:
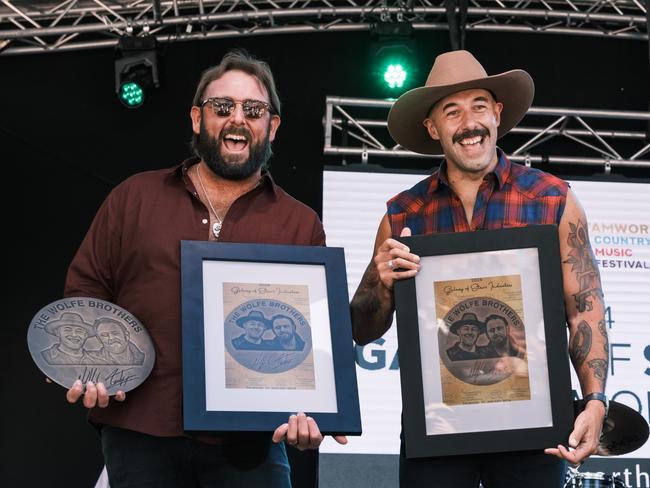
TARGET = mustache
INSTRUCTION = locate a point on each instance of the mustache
(481, 132)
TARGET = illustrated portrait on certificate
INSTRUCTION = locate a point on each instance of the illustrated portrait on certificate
(481, 340)
(267, 336)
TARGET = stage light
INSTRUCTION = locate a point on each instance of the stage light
(395, 76)
(393, 49)
(136, 70)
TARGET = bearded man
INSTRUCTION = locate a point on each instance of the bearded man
(131, 257)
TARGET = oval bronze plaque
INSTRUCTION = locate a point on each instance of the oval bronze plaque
(90, 340)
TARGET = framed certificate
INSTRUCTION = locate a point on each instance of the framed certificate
(483, 343)
(266, 333)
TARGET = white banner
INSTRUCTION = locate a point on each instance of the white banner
(619, 226)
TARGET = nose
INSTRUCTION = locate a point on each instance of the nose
(468, 121)
(237, 116)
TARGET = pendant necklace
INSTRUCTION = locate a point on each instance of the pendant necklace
(216, 227)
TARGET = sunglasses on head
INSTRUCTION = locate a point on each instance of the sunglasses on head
(223, 107)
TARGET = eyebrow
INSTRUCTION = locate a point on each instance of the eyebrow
(448, 105)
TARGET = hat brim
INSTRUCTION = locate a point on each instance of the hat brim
(514, 89)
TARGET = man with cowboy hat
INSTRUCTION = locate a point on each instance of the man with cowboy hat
(254, 325)
(461, 112)
(72, 332)
(468, 328)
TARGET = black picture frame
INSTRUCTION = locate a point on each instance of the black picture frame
(424, 441)
(327, 265)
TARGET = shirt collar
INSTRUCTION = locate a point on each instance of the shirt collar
(501, 172)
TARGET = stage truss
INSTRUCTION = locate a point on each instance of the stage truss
(356, 127)
(33, 26)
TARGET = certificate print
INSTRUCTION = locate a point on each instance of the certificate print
(268, 336)
(482, 340)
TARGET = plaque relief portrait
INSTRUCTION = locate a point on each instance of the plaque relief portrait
(88, 339)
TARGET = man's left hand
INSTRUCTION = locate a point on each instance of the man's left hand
(302, 433)
(585, 436)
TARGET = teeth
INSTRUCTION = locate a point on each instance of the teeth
(473, 140)
(235, 137)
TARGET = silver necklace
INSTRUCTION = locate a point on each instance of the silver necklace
(216, 227)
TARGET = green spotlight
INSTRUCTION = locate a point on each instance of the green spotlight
(136, 70)
(393, 48)
(395, 76)
(131, 94)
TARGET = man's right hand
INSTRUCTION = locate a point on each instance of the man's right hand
(372, 306)
(392, 255)
(95, 395)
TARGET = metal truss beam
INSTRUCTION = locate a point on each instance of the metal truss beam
(357, 127)
(32, 26)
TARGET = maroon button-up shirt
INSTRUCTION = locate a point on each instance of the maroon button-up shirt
(131, 257)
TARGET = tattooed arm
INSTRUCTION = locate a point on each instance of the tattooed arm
(588, 343)
(372, 305)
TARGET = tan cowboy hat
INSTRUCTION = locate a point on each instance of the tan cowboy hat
(453, 72)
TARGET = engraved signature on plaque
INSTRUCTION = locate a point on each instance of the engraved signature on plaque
(90, 340)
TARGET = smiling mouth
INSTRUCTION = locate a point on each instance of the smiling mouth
(471, 141)
(235, 142)
(471, 138)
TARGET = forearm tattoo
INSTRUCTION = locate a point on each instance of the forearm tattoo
(366, 297)
(583, 264)
(581, 344)
(603, 331)
(599, 367)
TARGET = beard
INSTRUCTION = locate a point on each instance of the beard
(208, 148)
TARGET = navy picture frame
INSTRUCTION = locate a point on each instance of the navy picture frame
(346, 420)
(418, 444)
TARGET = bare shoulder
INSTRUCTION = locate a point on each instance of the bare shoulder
(573, 209)
(383, 232)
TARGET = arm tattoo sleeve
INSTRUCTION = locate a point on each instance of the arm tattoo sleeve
(580, 344)
(584, 266)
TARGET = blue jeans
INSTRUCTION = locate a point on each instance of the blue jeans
(139, 460)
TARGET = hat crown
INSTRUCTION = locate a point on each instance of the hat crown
(455, 67)
(71, 318)
(469, 316)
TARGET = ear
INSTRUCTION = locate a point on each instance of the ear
(275, 123)
(431, 129)
(498, 107)
(195, 115)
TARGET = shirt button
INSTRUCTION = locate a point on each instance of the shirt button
(205, 221)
